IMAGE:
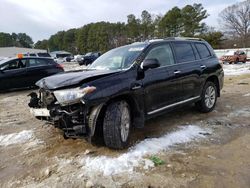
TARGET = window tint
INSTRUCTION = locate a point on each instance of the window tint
(14, 64)
(37, 62)
(184, 52)
(162, 53)
(203, 50)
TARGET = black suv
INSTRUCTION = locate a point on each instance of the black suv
(89, 58)
(128, 85)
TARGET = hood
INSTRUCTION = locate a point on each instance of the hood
(71, 78)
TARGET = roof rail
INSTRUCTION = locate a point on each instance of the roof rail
(155, 40)
(184, 38)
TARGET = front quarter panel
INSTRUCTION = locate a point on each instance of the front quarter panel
(112, 86)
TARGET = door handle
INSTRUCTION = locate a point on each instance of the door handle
(203, 67)
(177, 72)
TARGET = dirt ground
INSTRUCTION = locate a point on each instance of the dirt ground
(35, 154)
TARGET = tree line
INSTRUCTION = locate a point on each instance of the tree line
(177, 22)
(18, 40)
(102, 36)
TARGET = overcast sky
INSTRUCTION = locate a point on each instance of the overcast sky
(42, 18)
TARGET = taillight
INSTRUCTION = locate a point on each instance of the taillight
(59, 66)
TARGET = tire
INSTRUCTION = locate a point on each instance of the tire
(116, 125)
(245, 60)
(208, 98)
(237, 61)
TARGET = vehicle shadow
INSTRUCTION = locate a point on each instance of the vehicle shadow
(165, 123)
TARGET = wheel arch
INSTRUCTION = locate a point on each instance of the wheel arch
(215, 80)
(97, 113)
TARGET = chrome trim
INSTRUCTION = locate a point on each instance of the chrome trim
(177, 72)
(172, 105)
(136, 87)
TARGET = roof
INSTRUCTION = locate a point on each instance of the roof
(13, 51)
(26, 57)
(60, 52)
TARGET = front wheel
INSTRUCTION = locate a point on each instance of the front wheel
(208, 98)
(117, 124)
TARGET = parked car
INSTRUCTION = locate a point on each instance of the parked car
(128, 85)
(234, 57)
(26, 71)
(41, 54)
(78, 58)
(89, 58)
(69, 58)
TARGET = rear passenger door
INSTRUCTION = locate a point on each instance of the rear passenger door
(189, 69)
(161, 86)
(38, 69)
(207, 62)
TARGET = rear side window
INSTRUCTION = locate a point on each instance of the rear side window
(38, 62)
(184, 52)
(163, 54)
(203, 50)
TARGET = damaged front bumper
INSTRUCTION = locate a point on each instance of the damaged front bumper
(71, 118)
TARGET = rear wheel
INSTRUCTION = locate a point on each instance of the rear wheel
(208, 98)
(116, 125)
(245, 60)
(236, 61)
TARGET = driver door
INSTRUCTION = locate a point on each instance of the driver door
(161, 86)
(13, 74)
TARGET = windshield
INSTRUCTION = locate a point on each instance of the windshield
(118, 58)
(2, 61)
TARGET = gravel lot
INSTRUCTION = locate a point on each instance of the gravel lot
(197, 150)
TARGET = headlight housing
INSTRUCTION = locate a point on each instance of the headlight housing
(69, 96)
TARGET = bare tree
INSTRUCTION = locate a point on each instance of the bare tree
(236, 20)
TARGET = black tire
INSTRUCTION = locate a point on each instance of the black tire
(113, 123)
(245, 60)
(237, 61)
(202, 105)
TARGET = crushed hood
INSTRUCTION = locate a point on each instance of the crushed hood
(71, 78)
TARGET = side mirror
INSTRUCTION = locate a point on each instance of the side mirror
(149, 64)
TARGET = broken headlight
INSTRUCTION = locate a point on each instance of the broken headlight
(68, 96)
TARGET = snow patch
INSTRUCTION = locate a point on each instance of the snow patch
(236, 69)
(18, 138)
(246, 95)
(135, 156)
(244, 112)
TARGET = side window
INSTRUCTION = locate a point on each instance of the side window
(203, 50)
(242, 53)
(184, 52)
(37, 62)
(32, 62)
(162, 53)
(15, 64)
(41, 62)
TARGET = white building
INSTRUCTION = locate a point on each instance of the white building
(13, 51)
